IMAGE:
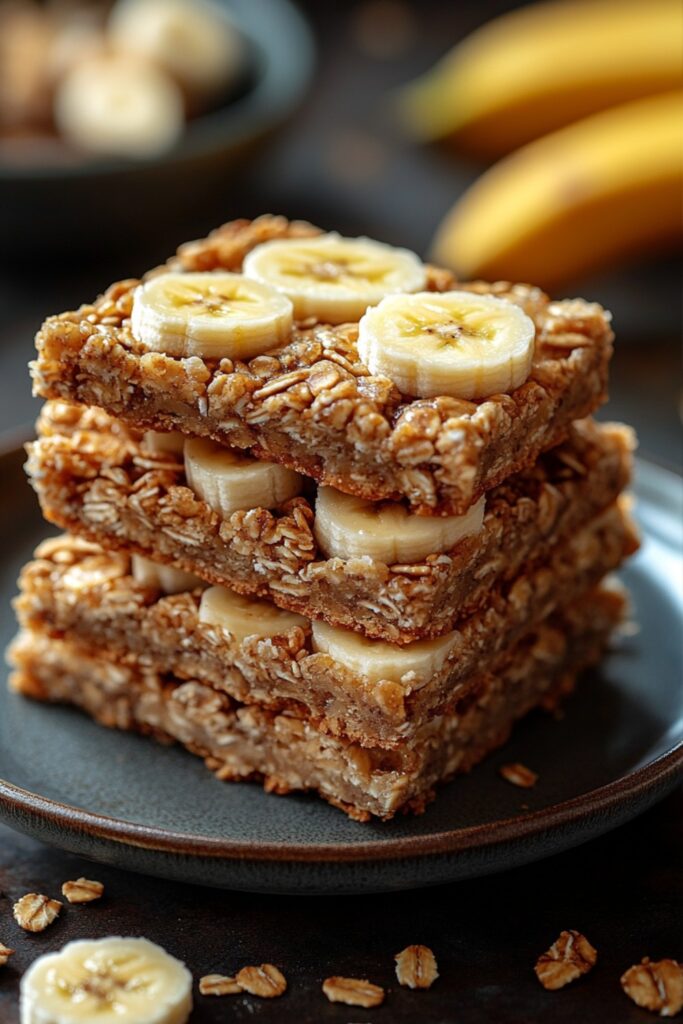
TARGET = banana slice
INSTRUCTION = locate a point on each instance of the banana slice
(165, 578)
(451, 343)
(192, 40)
(110, 981)
(116, 104)
(334, 279)
(229, 480)
(375, 660)
(210, 314)
(159, 442)
(245, 617)
(349, 527)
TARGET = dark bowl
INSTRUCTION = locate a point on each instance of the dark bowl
(96, 204)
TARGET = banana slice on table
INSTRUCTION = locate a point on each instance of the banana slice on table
(116, 104)
(192, 40)
(243, 616)
(165, 578)
(229, 480)
(450, 343)
(334, 279)
(375, 660)
(159, 442)
(210, 314)
(349, 527)
(110, 981)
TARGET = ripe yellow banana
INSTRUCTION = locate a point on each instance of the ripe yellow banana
(243, 616)
(229, 480)
(448, 343)
(541, 67)
(209, 314)
(574, 201)
(107, 980)
(165, 578)
(349, 527)
(375, 660)
(334, 279)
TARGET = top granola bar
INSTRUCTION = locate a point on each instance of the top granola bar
(312, 405)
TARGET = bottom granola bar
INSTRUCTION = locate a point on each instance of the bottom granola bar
(240, 741)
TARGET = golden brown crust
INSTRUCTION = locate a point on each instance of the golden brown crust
(94, 478)
(312, 404)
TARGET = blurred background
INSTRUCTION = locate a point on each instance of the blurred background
(539, 141)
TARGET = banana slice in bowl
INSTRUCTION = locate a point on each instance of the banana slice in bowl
(332, 278)
(350, 527)
(454, 343)
(108, 980)
(229, 480)
(244, 616)
(211, 314)
(376, 660)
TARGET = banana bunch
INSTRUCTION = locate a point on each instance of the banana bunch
(544, 66)
(574, 201)
(107, 980)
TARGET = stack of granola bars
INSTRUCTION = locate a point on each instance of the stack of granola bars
(335, 520)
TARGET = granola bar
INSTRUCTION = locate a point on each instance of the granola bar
(240, 741)
(312, 405)
(78, 591)
(95, 478)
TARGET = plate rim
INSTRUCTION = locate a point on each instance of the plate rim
(659, 774)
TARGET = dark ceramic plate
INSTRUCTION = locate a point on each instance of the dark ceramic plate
(126, 801)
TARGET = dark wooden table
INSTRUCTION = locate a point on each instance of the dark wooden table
(342, 164)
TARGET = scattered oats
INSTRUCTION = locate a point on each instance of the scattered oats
(5, 954)
(519, 775)
(655, 985)
(83, 890)
(570, 956)
(353, 992)
(416, 967)
(264, 981)
(218, 985)
(34, 913)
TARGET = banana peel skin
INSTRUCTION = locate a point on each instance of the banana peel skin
(583, 198)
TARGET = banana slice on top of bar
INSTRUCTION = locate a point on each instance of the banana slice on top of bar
(376, 660)
(454, 343)
(246, 616)
(334, 279)
(212, 315)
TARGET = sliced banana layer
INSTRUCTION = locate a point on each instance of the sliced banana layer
(245, 617)
(111, 981)
(375, 660)
(160, 443)
(210, 314)
(334, 279)
(116, 104)
(451, 343)
(165, 578)
(229, 480)
(349, 527)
